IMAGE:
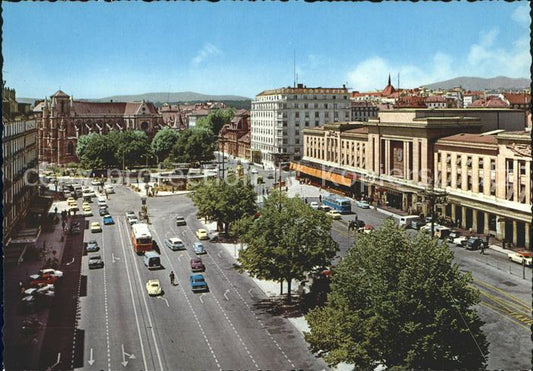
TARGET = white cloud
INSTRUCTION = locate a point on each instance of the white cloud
(521, 15)
(207, 51)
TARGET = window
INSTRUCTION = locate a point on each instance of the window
(469, 161)
(316, 114)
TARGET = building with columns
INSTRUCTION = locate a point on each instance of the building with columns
(397, 158)
(279, 117)
(62, 120)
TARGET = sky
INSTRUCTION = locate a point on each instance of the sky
(96, 50)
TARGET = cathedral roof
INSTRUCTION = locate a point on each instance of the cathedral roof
(60, 94)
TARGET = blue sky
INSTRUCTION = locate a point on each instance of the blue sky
(93, 50)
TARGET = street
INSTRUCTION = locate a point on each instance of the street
(225, 328)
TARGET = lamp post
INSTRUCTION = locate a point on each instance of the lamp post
(434, 197)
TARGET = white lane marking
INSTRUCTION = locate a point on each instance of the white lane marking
(132, 297)
(190, 307)
(108, 343)
(162, 298)
(254, 314)
(91, 359)
(115, 258)
(70, 262)
(150, 322)
(226, 295)
(219, 254)
(179, 257)
(124, 354)
(200, 297)
(250, 293)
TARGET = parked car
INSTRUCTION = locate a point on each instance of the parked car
(95, 227)
(96, 182)
(95, 261)
(174, 243)
(198, 283)
(45, 272)
(198, 248)
(92, 246)
(87, 211)
(314, 205)
(43, 280)
(521, 257)
(417, 224)
(456, 238)
(325, 208)
(102, 211)
(202, 234)
(130, 214)
(197, 265)
(180, 220)
(270, 176)
(474, 243)
(108, 219)
(108, 188)
(133, 220)
(362, 204)
(213, 236)
(153, 287)
(334, 214)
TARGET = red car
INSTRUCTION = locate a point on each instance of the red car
(45, 279)
(197, 265)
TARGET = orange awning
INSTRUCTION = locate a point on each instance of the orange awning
(326, 175)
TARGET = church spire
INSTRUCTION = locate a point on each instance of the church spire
(389, 80)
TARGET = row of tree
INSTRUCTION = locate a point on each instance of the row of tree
(133, 148)
(394, 301)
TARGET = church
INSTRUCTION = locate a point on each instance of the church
(62, 120)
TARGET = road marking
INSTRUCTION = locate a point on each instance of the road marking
(226, 295)
(91, 359)
(115, 259)
(70, 262)
(57, 361)
(219, 254)
(179, 257)
(132, 297)
(162, 298)
(192, 310)
(200, 297)
(124, 354)
(250, 293)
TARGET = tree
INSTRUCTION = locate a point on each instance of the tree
(98, 152)
(163, 142)
(194, 145)
(82, 142)
(130, 146)
(216, 120)
(224, 202)
(288, 240)
(399, 301)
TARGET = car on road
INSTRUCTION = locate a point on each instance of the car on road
(130, 214)
(314, 205)
(202, 234)
(102, 211)
(456, 238)
(334, 214)
(521, 257)
(95, 261)
(180, 220)
(96, 182)
(88, 192)
(95, 227)
(198, 283)
(325, 208)
(108, 188)
(362, 204)
(85, 204)
(174, 243)
(47, 272)
(198, 248)
(87, 211)
(108, 219)
(47, 290)
(270, 176)
(474, 243)
(417, 224)
(153, 287)
(197, 265)
(92, 246)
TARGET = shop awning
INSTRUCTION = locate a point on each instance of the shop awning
(345, 180)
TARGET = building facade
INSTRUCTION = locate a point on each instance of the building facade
(234, 138)
(396, 159)
(62, 120)
(279, 117)
(362, 111)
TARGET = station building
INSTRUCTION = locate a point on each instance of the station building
(482, 165)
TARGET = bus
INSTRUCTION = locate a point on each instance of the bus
(141, 238)
(342, 204)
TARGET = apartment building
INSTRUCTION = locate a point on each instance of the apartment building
(396, 158)
(362, 111)
(279, 117)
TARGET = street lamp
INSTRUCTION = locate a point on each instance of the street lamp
(434, 197)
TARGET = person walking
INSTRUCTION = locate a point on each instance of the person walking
(172, 277)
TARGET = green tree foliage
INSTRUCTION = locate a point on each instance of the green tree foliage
(132, 144)
(216, 120)
(286, 241)
(224, 202)
(163, 142)
(194, 145)
(83, 140)
(98, 152)
(399, 301)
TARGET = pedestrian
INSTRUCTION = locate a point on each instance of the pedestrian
(356, 217)
(320, 198)
(482, 248)
(63, 225)
(172, 278)
(55, 210)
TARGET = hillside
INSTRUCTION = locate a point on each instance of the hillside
(187, 96)
(478, 83)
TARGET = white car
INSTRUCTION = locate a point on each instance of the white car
(108, 188)
(47, 271)
(96, 182)
(314, 205)
(521, 257)
(362, 204)
(334, 214)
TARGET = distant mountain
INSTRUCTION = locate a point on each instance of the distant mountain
(478, 83)
(187, 96)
